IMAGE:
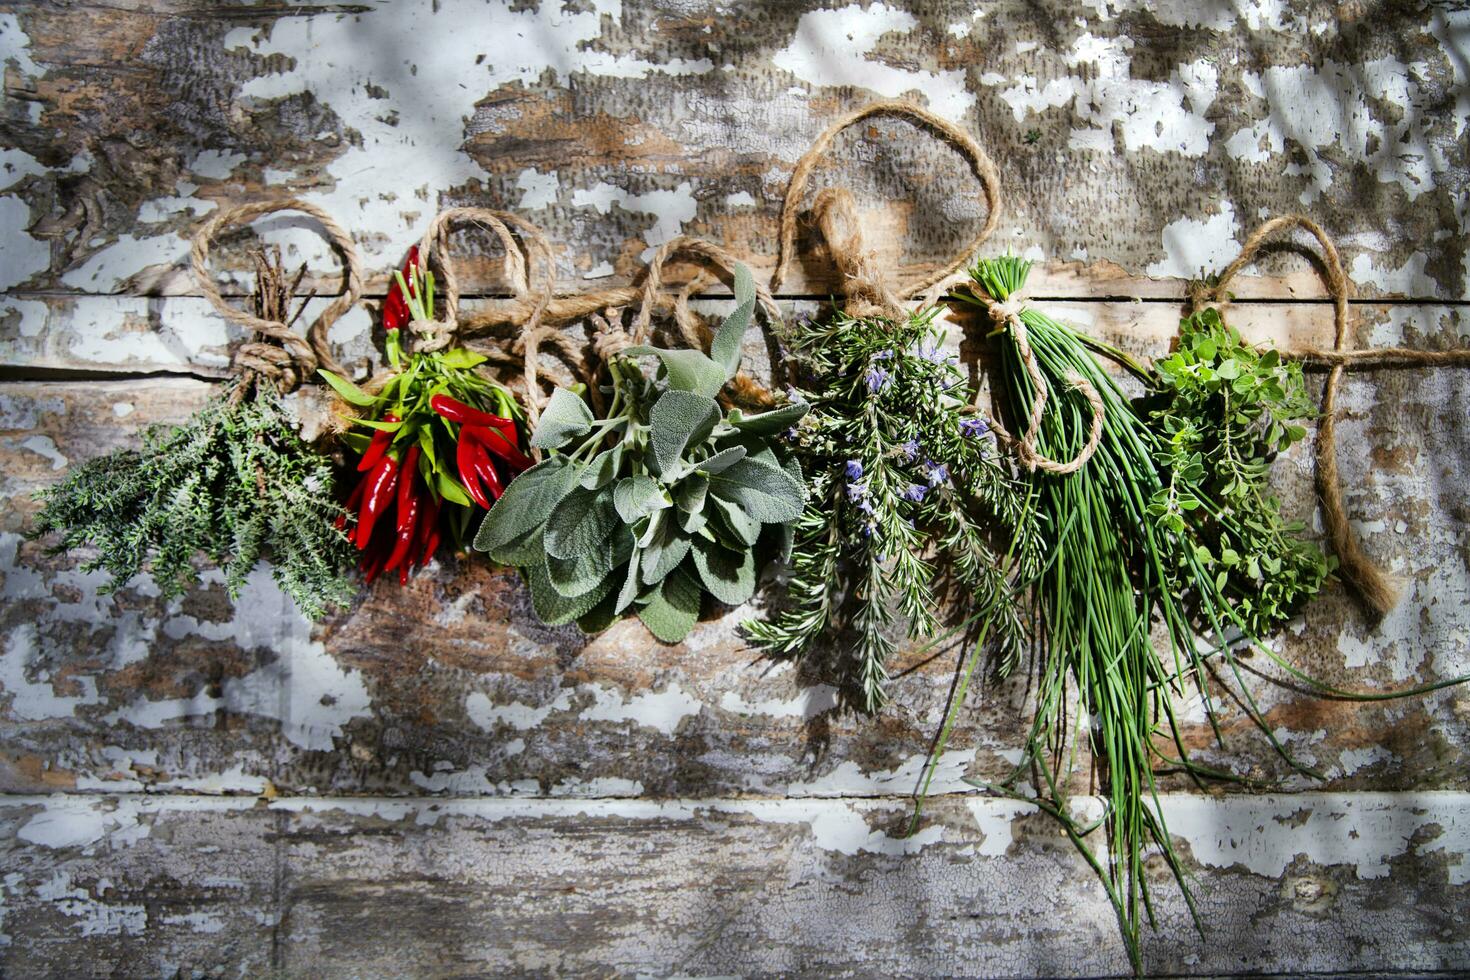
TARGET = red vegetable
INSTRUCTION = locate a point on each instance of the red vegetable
(495, 441)
(428, 536)
(458, 411)
(407, 533)
(379, 494)
(464, 458)
(381, 439)
(353, 500)
(395, 305)
(484, 469)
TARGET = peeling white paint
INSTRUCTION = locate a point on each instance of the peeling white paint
(488, 715)
(833, 48)
(215, 164)
(659, 710)
(1409, 279)
(1191, 246)
(45, 447)
(301, 686)
(808, 703)
(670, 209)
(994, 818)
(416, 131)
(538, 190)
(37, 700)
(95, 917)
(21, 256)
(847, 779)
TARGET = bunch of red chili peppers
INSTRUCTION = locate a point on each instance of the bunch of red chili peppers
(446, 443)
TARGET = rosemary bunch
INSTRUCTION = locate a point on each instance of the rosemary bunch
(906, 494)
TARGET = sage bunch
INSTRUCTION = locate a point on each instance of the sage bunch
(665, 501)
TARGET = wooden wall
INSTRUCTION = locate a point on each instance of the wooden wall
(432, 783)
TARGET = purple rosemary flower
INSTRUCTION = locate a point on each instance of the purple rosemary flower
(877, 379)
(974, 426)
(854, 469)
(938, 473)
(910, 450)
(915, 492)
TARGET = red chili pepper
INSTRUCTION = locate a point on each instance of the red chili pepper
(495, 441)
(379, 493)
(395, 305)
(375, 450)
(484, 469)
(428, 533)
(407, 532)
(372, 565)
(464, 458)
(458, 411)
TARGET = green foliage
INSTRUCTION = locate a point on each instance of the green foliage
(1225, 410)
(907, 496)
(661, 501)
(234, 483)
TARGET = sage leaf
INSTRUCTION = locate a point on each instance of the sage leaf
(576, 576)
(721, 461)
(636, 497)
(520, 551)
(727, 575)
(679, 420)
(555, 609)
(629, 591)
(603, 469)
(768, 423)
(724, 350)
(673, 609)
(690, 495)
(741, 526)
(686, 370)
(580, 523)
(526, 503)
(767, 493)
(599, 617)
(565, 418)
(664, 553)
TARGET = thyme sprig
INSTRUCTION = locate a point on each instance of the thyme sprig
(906, 495)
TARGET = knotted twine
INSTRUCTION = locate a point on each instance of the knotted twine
(867, 294)
(1357, 568)
(278, 354)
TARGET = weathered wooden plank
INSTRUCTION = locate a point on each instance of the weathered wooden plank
(329, 888)
(450, 685)
(1137, 142)
(136, 335)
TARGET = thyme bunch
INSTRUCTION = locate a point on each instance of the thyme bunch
(906, 495)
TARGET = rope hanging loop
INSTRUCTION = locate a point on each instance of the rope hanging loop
(277, 352)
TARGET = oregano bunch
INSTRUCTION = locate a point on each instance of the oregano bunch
(909, 500)
(234, 483)
(664, 500)
(1225, 410)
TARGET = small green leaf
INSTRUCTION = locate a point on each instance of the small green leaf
(629, 592)
(767, 493)
(519, 552)
(721, 461)
(460, 359)
(580, 522)
(350, 392)
(690, 495)
(527, 503)
(724, 350)
(686, 370)
(664, 553)
(673, 609)
(638, 496)
(565, 418)
(555, 609)
(768, 423)
(740, 525)
(451, 491)
(727, 575)
(604, 468)
(679, 420)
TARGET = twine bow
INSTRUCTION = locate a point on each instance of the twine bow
(277, 353)
(1008, 315)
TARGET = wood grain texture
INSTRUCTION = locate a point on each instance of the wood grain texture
(347, 888)
(1133, 142)
(430, 783)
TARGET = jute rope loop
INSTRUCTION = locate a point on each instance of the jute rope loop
(1366, 577)
(1008, 315)
(434, 251)
(984, 169)
(279, 354)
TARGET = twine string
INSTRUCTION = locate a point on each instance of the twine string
(278, 353)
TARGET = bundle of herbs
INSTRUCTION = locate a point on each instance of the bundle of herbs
(908, 502)
(234, 483)
(445, 441)
(1170, 518)
(663, 500)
